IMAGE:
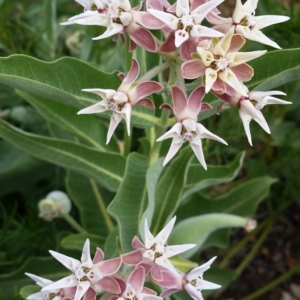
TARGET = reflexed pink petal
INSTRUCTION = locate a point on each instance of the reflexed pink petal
(215, 19)
(86, 256)
(122, 284)
(121, 76)
(109, 267)
(205, 106)
(147, 20)
(146, 103)
(192, 69)
(157, 274)
(169, 44)
(237, 42)
(193, 292)
(89, 295)
(148, 291)
(195, 100)
(114, 122)
(147, 265)
(132, 258)
(243, 72)
(82, 287)
(132, 45)
(166, 106)
(137, 244)
(137, 278)
(169, 292)
(188, 48)
(69, 292)
(69, 262)
(132, 74)
(99, 256)
(109, 284)
(144, 89)
(219, 86)
(170, 20)
(166, 278)
(141, 37)
(179, 100)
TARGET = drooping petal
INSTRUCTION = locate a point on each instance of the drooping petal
(109, 284)
(243, 72)
(193, 292)
(65, 282)
(146, 103)
(195, 100)
(169, 19)
(188, 48)
(96, 19)
(148, 291)
(82, 287)
(179, 101)
(141, 37)
(114, 122)
(144, 89)
(171, 251)
(237, 42)
(147, 20)
(196, 146)
(80, 16)
(112, 29)
(157, 275)
(109, 267)
(131, 76)
(205, 106)
(137, 244)
(126, 113)
(89, 295)
(175, 146)
(192, 69)
(137, 278)
(169, 44)
(39, 280)
(99, 256)
(248, 108)
(69, 262)
(132, 258)
(246, 119)
(86, 256)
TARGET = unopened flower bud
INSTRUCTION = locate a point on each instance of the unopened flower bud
(54, 205)
(250, 224)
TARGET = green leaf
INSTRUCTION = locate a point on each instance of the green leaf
(130, 202)
(28, 290)
(195, 230)
(63, 80)
(76, 241)
(183, 265)
(169, 190)
(152, 176)
(91, 201)
(44, 267)
(111, 248)
(275, 69)
(241, 200)
(106, 168)
(87, 129)
(198, 178)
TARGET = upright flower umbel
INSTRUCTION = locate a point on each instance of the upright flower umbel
(187, 128)
(87, 273)
(121, 100)
(154, 251)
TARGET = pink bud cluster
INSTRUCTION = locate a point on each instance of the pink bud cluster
(193, 51)
(90, 277)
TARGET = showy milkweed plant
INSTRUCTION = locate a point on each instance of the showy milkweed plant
(178, 71)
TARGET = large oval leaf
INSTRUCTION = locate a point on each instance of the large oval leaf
(62, 81)
(106, 168)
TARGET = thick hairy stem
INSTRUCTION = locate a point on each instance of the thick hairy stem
(73, 223)
(155, 71)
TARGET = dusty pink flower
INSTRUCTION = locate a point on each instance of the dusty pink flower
(120, 102)
(87, 273)
(187, 128)
(221, 63)
(154, 251)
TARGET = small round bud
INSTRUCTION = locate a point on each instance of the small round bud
(54, 205)
(250, 224)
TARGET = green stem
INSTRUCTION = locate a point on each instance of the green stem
(107, 219)
(242, 243)
(180, 80)
(273, 283)
(127, 141)
(155, 71)
(256, 246)
(73, 223)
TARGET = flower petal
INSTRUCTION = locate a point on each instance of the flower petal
(137, 278)
(195, 100)
(169, 292)
(175, 146)
(206, 134)
(179, 101)
(192, 69)
(131, 76)
(237, 58)
(149, 238)
(39, 280)
(196, 146)
(132, 258)
(169, 44)
(211, 76)
(65, 282)
(173, 132)
(112, 29)
(229, 77)
(82, 287)
(89, 295)
(144, 89)
(146, 103)
(103, 93)
(243, 72)
(205, 8)
(36, 296)
(69, 262)
(147, 20)
(114, 122)
(171, 251)
(223, 45)
(200, 270)
(109, 267)
(163, 235)
(126, 113)
(264, 21)
(246, 119)
(170, 20)
(207, 285)
(181, 36)
(86, 255)
(137, 244)
(109, 284)
(193, 292)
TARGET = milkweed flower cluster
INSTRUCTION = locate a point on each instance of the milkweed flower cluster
(98, 275)
(192, 51)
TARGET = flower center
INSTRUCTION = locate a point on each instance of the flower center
(115, 105)
(187, 135)
(155, 251)
(185, 23)
(249, 21)
(51, 296)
